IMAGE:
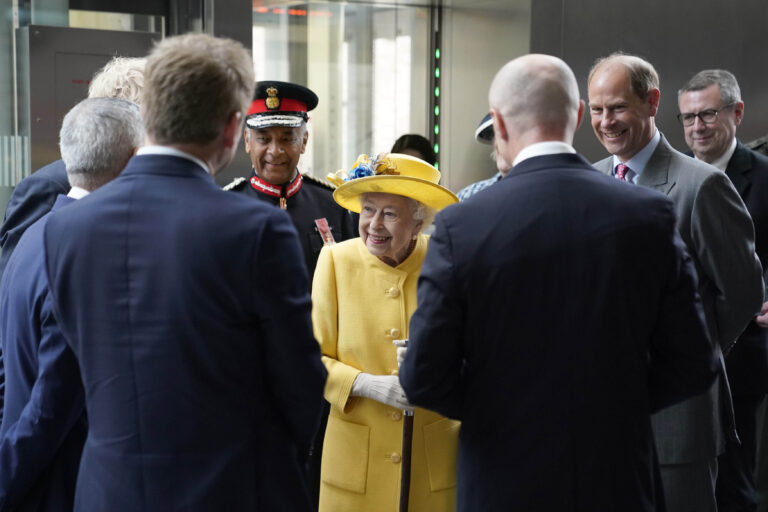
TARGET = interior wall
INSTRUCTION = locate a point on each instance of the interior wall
(476, 43)
(678, 38)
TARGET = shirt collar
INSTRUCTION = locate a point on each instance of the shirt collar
(550, 147)
(77, 193)
(722, 162)
(166, 150)
(638, 162)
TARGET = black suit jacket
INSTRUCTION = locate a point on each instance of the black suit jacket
(557, 310)
(747, 362)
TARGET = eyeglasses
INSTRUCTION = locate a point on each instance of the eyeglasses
(706, 116)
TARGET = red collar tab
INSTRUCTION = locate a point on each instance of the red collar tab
(285, 105)
(282, 191)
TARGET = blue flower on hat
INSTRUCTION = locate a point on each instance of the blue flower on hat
(361, 171)
(364, 167)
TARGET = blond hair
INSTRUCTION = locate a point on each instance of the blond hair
(121, 77)
(193, 84)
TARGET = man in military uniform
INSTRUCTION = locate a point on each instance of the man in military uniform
(275, 137)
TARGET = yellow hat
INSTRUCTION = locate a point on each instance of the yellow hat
(391, 173)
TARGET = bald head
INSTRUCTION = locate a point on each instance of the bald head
(537, 93)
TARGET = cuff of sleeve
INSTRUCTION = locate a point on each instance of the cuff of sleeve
(338, 387)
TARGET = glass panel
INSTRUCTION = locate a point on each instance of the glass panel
(368, 64)
(116, 21)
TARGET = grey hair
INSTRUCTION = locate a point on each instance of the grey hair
(98, 136)
(729, 87)
(121, 77)
(422, 212)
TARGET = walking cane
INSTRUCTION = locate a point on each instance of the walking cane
(405, 470)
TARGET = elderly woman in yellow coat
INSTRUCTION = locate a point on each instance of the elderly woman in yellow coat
(363, 295)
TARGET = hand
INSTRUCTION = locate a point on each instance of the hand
(382, 388)
(762, 318)
(402, 347)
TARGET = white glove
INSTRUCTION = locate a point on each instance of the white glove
(402, 347)
(382, 388)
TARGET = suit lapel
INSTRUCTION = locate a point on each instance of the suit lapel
(738, 168)
(657, 173)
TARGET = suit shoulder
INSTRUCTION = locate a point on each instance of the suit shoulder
(759, 145)
(236, 184)
(317, 182)
(759, 160)
(53, 175)
(348, 250)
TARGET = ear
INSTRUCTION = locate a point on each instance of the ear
(304, 139)
(231, 133)
(499, 128)
(580, 115)
(247, 139)
(654, 96)
(417, 229)
(738, 112)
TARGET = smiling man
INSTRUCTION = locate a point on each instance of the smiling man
(713, 222)
(710, 111)
(275, 137)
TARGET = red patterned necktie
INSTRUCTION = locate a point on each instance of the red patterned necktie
(621, 172)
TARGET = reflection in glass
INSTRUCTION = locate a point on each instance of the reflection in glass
(367, 63)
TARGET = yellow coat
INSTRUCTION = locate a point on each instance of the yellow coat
(361, 304)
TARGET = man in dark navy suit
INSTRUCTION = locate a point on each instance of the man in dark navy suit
(275, 136)
(44, 425)
(556, 311)
(710, 111)
(191, 327)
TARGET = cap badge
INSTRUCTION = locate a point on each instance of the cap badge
(272, 102)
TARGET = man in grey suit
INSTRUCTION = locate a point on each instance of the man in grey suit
(714, 223)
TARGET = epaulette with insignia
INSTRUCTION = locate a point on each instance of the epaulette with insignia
(234, 184)
(318, 181)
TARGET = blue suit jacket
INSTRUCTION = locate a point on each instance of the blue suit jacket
(557, 309)
(189, 313)
(32, 198)
(43, 426)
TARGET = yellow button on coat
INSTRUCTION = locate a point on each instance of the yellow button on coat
(396, 416)
(393, 292)
(395, 333)
(396, 458)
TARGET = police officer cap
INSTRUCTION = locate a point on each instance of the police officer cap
(280, 104)
(484, 132)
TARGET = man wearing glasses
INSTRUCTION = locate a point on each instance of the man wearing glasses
(713, 222)
(710, 110)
